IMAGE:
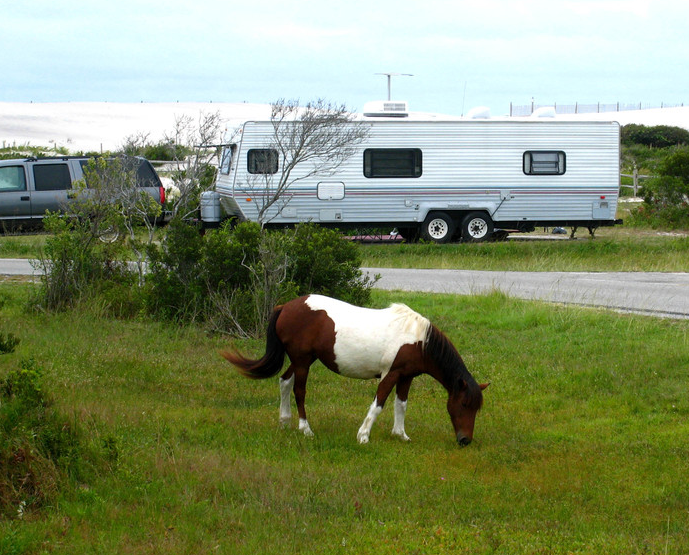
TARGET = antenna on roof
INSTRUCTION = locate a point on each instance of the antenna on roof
(390, 75)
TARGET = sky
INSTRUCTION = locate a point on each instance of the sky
(461, 53)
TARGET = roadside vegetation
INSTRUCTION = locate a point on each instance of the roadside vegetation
(122, 430)
(581, 446)
(662, 153)
(635, 250)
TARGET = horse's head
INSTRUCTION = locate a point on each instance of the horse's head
(463, 404)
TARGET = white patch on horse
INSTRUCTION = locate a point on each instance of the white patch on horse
(286, 387)
(400, 412)
(367, 340)
(365, 430)
(304, 427)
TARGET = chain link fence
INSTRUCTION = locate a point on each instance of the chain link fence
(577, 108)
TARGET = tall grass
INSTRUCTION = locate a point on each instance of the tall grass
(619, 253)
(582, 445)
(612, 250)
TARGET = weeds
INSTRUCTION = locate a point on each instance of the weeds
(581, 445)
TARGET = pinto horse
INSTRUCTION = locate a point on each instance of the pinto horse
(394, 344)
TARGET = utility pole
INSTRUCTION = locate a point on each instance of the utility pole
(391, 75)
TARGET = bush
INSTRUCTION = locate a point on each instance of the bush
(74, 262)
(38, 447)
(324, 262)
(657, 136)
(666, 197)
(174, 287)
(232, 277)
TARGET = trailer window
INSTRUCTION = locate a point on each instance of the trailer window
(226, 159)
(543, 162)
(392, 162)
(262, 160)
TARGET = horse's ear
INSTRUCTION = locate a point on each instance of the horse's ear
(483, 385)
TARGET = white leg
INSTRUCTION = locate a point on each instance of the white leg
(365, 429)
(285, 407)
(304, 427)
(398, 427)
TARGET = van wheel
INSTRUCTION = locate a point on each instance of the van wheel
(439, 227)
(477, 227)
(109, 235)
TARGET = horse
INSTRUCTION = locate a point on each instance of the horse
(393, 344)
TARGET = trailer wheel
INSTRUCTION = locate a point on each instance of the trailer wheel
(477, 227)
(439, 227)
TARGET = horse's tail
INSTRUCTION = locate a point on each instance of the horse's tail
(271, 362)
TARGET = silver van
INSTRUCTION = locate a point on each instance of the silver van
(31, 186)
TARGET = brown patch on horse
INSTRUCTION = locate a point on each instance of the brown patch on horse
(304, 331)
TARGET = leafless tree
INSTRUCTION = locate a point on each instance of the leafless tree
(192, 168)
(317, 138)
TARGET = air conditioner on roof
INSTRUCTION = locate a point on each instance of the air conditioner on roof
(386, 109)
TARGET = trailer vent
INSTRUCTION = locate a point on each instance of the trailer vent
(386, 109)
(479, 112)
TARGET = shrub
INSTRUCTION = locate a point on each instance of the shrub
(74, 262)
(174, 287)
(38, 447)
(667, 195)
(324, 262)
(232, 277)
(657, 136)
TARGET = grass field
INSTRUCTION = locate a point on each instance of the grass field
(614, 250)
(582, 445)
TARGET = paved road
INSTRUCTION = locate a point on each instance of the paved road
(16, 267)
(655, 293)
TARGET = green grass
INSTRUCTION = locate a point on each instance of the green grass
(614, 251)
(582, 445)
(21, 245)
(624, 250)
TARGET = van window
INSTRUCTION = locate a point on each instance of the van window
(393, 162)
(51, 177)
(146, 176)
(544, 162)
(262, 160)
(12, 178)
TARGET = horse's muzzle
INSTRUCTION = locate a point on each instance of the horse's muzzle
(462, 440)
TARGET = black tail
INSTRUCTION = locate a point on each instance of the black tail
(268, 365)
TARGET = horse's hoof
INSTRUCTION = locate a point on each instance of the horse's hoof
(285, 422)
(304, 427)
(363, 439)
(402, 436)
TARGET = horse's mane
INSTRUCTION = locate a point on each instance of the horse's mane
(410, 322)
(450, 363)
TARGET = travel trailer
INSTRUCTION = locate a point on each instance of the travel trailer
(440, 179)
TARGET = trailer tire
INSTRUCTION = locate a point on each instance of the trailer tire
(438, 227)
(476, 227)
